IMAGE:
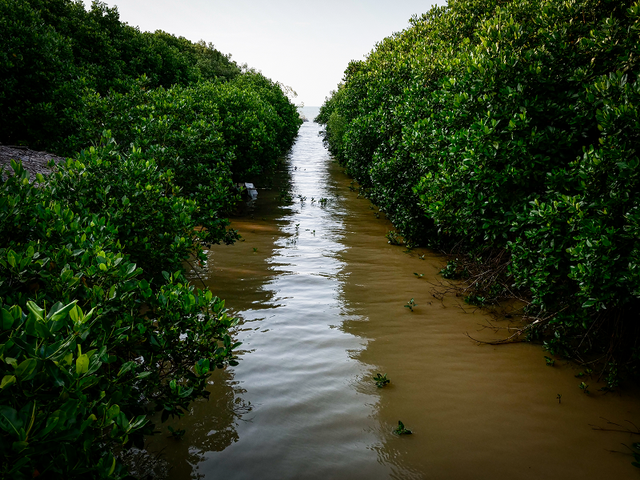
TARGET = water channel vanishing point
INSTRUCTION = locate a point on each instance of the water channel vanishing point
(321, 297)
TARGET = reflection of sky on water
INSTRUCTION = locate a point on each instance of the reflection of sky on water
(301, 415)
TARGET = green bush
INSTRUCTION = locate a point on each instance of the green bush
(37, 75)
(88, 346)
(154, 222)
(512, 126)
(52, 50)
(198, 131)
(99, 327)
(207, 134)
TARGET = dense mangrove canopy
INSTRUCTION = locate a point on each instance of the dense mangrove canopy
(98, 325)
(510, 130)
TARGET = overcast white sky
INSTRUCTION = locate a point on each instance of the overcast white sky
(304, 44)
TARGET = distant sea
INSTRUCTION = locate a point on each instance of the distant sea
(310, 112)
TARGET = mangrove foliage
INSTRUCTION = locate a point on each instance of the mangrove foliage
(509, 131)
(99, 327)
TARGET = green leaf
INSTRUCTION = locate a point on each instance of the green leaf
(61, 311)
(20, 446)
(26, 370)
(127, 366)
(68, 358)
(113, 411)
(7, 319)
(42, 330)
(113, 466)
(36, 310)
(75, 314)
(9, 420)
(140, 421)
(82, 364)
(7, 380)
(52, 422)
(11, 258)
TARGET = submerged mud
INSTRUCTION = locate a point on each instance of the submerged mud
(322, 297)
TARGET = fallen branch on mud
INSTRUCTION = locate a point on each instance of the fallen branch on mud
(515, 338)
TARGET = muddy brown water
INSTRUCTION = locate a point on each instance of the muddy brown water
(321, 294)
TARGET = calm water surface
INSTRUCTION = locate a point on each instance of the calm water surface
(321, 296)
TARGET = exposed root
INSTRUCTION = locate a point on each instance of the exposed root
(514, 338)
(621, 429)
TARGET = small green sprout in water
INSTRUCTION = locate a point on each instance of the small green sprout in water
(176, 434)
(419, 275)
(393, 238)
(584, 387)
(559, 397)
(323, 201)
(587, 371)
(377, 215)
(421, 257)
(550, 361)
(381, 380)
(285, 196)
(612, 378)
(454, 271)
(401, 429)
(477, 300)
(411, 304)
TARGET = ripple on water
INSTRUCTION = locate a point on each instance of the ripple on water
(322, 312)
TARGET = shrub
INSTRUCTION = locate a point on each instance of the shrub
(512, 126)
(88, 345)
(52, 50)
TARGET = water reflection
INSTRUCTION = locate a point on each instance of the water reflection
(304, 418)
(241, 275)
(210, 426)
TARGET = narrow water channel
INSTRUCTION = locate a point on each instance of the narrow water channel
(321, 297)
